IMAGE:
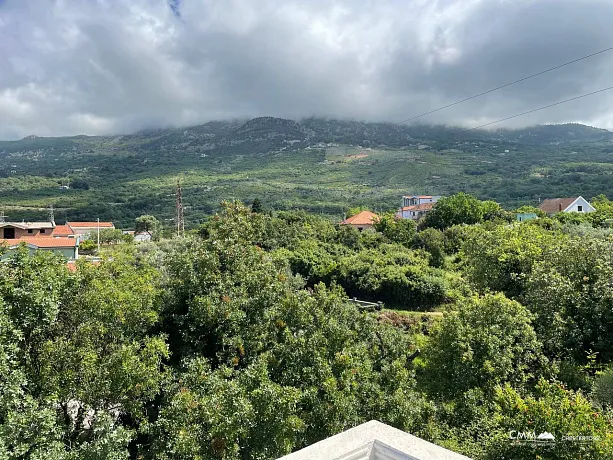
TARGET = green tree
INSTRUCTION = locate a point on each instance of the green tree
(602, 390)
(455, 210)
(67, 378)
(488, 341)
(396, 230)
(501, 259)
(149, 224)
(551, 409)
(256, 206)
(433, 242)
(111, 236)
(569, 290)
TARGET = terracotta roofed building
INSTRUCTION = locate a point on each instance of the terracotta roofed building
(68, 247)
(362, 221)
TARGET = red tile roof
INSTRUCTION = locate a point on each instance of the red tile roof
(552, 205)
(62, 230)
(42, 242)
(90, 224)
(418, 207)
(361, 218)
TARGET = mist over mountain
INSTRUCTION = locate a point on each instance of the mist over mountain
(264, 133)
(322, 165)
(99, 67)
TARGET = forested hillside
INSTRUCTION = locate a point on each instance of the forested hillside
(239, 342)
(323, 166)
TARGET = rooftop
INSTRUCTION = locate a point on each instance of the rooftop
(28, 225)
(552, 205)
(90, 224)
(418, 207)
(361, 218)
(62, 230)
(41, 242)
(374, 441)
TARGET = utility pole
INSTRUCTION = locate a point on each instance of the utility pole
(98, 225)
(2, 217)
(51, 215)
(180, 219)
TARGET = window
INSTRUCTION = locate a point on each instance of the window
(43, 230)
(30, 230)
(9, 233)
(580, 208)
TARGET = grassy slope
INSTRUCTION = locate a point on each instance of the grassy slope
(128, 177)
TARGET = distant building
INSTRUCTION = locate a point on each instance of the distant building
(142, 237)
(63, 231)
(524, 216)
(416, 206)
(67, 247)
(139, 237)
(576, 204)
(362, 221)
(374, 441)
(16, 230)
(89, 228)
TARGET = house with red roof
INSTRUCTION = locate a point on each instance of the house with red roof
(47, 236)
(67, 247)
(416, 206)
(574, 204)
(362, 221)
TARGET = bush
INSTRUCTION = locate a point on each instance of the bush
(602, 390)
(488, 341)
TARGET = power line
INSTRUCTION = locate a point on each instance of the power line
(540, 108)
(504, 86)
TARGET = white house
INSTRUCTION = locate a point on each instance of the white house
(416, 206)
(574, 204)
(374, 441)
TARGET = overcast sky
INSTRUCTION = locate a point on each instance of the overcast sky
(115, 66)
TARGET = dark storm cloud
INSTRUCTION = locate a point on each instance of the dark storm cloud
(87, 66)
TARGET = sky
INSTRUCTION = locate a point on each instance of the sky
(116, 66)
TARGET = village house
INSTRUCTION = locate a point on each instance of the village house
(416, 206)
(16, 230)
(362, 221)
(575, 204)
(47, 236)
(67, 247)
(86, 229)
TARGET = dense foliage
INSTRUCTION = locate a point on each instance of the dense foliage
(239, 341)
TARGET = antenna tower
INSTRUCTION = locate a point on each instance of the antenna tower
(180, 219)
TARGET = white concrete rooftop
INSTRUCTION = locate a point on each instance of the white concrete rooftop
(374, 441)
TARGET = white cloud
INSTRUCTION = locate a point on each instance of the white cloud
(101, 66)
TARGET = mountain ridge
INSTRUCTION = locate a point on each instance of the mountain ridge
(228, 132)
